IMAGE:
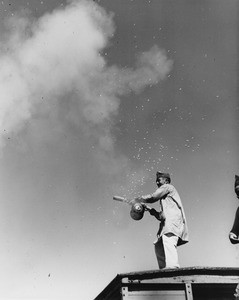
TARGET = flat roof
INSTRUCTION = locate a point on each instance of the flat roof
(220, 271)
(114, 286)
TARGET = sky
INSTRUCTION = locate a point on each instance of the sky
(96, 96)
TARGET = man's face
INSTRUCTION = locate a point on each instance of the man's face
(237, 191)
(160, 181)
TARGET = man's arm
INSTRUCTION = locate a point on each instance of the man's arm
(160, 193)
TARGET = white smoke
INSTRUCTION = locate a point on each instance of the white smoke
(53, 68)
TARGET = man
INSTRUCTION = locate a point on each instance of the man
(234, 233)
(173, 230)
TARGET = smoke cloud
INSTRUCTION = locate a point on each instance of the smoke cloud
(52, 70)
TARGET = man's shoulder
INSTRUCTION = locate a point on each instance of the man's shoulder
(169, 187)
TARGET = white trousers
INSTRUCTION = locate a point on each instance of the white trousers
(166, 251)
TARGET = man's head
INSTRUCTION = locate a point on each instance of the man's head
(162, 178)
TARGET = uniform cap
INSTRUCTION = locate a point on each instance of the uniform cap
(164, 175)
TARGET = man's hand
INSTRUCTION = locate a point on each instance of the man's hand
(158, 215)
(233, 238)
(136, 200)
